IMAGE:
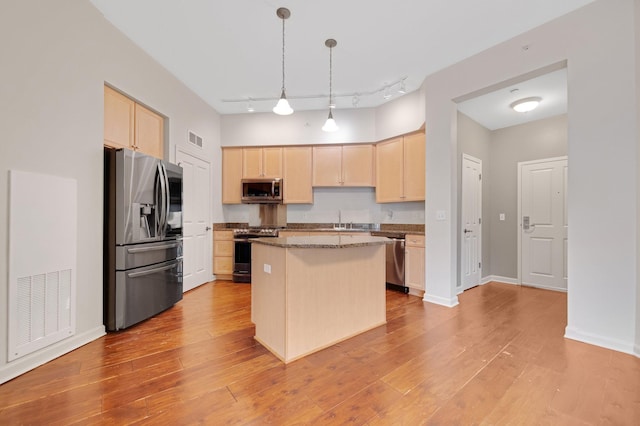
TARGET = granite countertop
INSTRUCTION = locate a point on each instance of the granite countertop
(321, 241)
(329, 227)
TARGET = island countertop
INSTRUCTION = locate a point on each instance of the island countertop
(328, 241)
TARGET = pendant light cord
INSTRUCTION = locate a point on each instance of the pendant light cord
(283, 54)
(330, 75)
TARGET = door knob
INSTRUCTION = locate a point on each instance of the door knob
(466, 231)
(208, 228)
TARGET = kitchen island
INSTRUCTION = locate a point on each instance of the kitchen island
(308, 293)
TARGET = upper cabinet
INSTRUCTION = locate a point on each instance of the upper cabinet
(400, 172)
(265, 162)
(297, 165)
(231, 175)
(343, 165)
(131, 125)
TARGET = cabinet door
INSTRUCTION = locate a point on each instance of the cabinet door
(414, 263)
(414, 173)
(327, 166)
(119, 113)
(258, 163)
(149, 132)
(297, 175)
(251, 163)
(223, 247)
(389, 171)
(357, 165)
(272, 162)
(231, 175)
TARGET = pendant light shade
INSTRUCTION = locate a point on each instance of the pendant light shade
(330, 125)
(283, 107)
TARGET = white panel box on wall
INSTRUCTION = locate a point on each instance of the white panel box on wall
(42, 261)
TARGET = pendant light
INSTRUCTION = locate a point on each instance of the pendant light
(330, 125)
(282, 107)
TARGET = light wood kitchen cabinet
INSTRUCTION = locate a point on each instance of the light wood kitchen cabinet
(223, 247)
(119, 116)
(297, 166)
(343, 165)
(128, 124)
(414, 261)
(149, 132)
(262, 162)
(231, 175)
(400, 172)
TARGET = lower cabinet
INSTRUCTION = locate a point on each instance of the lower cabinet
(414, 261)
(223, 254)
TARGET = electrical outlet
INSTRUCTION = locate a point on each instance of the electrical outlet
(441, 215)
(267, 268)
(502, 216)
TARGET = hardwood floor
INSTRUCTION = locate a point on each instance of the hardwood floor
(497, 358)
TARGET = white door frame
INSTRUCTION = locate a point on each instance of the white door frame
(200, 156)
(462, 225)
(520, 165)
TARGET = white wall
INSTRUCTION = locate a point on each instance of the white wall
(598, 43)
(51, 121)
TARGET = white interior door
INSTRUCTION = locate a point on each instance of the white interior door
(196, 222)
(471, 223)
(543, 223)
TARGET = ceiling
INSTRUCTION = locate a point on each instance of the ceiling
(493, 110)
(229, 52)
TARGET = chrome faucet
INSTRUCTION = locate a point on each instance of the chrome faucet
(339, 225)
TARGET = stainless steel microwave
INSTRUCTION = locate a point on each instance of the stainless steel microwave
(262, 191)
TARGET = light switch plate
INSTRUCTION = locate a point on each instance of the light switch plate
(267, 268)
(502, 216)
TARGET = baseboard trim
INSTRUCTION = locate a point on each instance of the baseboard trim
(449, 303)
(602, 341)
(498, 278)
(21, 365)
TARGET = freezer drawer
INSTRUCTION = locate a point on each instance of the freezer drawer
(143, 292)
(137, 255)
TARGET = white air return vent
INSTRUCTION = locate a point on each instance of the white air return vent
(42, 261)
(195, 139)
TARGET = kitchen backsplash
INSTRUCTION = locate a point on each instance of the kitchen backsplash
(355, 205)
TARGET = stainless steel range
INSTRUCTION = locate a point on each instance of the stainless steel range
(242, 250)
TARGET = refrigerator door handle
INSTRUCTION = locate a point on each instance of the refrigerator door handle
(167, 199)
(151, 271)
(154, 248)
(161, 194)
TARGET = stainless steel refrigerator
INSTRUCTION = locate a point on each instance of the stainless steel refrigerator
(142, 237)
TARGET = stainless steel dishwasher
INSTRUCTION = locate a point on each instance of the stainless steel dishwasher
(394, 260)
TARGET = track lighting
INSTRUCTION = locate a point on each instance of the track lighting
(387, 93)
(402, 90)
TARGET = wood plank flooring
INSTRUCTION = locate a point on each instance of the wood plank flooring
(497, 358)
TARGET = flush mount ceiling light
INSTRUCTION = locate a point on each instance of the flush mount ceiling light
(283, 107)
(526, 104)
(330, 125)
